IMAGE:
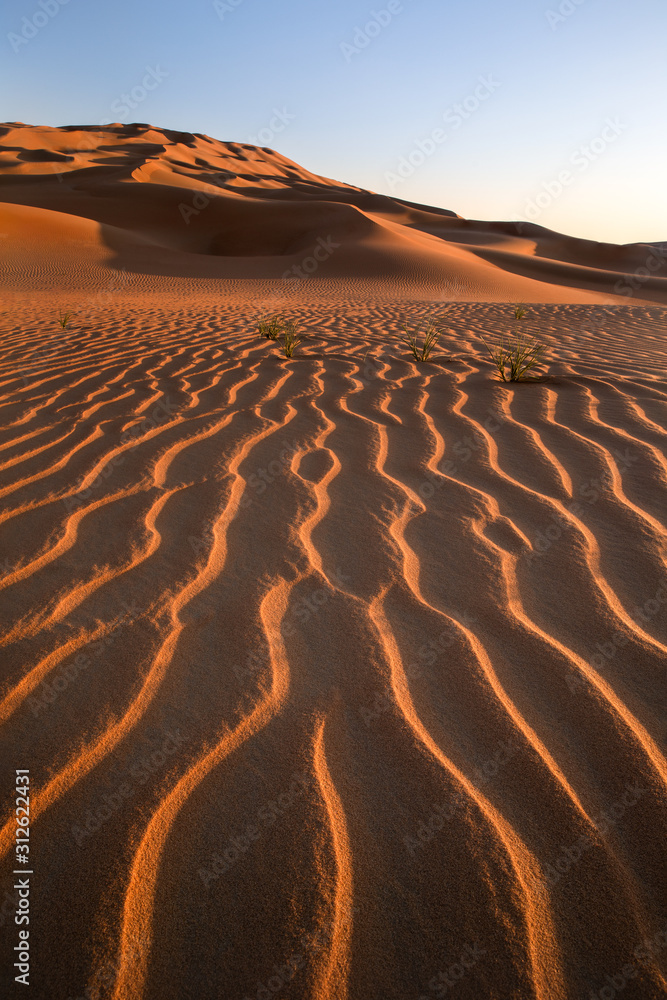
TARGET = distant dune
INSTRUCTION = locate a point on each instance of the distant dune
(158, 202)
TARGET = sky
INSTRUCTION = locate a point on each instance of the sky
(550, 111)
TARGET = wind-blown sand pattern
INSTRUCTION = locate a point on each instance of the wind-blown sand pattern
(340, 676)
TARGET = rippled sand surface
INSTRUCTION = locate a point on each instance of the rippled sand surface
(340, 676)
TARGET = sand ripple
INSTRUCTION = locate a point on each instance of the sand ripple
(339, 676)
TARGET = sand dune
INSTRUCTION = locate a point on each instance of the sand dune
(338, 677)
(161, 203)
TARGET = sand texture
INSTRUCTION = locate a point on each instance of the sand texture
(339, 677)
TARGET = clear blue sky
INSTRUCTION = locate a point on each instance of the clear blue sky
(356, 105)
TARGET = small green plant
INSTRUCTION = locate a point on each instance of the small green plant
(290, 338)
(431, 337)
(271, 328)
(516, 360)
(64, 319)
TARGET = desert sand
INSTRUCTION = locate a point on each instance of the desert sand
(339, 676)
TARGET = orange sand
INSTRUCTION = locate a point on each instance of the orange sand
(339, 677)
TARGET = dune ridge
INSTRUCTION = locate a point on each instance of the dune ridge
(161, 208)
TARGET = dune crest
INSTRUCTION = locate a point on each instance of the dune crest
(160, 203)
